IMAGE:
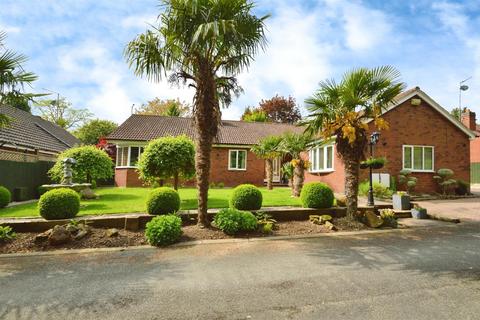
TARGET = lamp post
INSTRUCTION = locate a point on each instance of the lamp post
(374, 137)
(462, 87)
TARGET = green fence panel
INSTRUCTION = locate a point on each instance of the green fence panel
(475, 172)
(29, 175)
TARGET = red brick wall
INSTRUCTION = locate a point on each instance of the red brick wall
(219, 172)
(475, 150)
(414, 125)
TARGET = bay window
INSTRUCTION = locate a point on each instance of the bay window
(321, 159)
(128, 156)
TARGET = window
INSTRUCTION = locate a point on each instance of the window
(128, 156)
(418, 158)
(237, 160)
(321, 159)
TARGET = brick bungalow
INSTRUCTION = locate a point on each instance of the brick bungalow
(232, 161)
(29, 147)
(423, 137)
(470, 121)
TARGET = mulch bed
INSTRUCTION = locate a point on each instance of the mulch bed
(97, 238)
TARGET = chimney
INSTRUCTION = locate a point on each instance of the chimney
(468, 119)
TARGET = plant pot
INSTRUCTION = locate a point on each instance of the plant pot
(401, 202)
(419, 213)
(377, 165)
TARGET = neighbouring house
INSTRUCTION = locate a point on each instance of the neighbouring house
(28, 149)
(232, 161)
(470, 121)
(423, 137)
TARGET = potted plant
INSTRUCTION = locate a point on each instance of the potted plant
(419, 212)
(374, 163)
(401, 201)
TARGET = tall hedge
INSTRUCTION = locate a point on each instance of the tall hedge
(92, 164)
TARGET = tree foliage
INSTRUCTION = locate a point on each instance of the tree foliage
(254, 115)
(168, 157)
(457, 113)
(169, 107)
(268, 149)
(92, 131)
(92, 164)
(204, 44)
(281, 109)
(341, 110)
(62, 113)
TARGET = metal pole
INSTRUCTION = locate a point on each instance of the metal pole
(371, 201)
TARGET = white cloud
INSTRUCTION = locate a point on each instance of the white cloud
(140, 22)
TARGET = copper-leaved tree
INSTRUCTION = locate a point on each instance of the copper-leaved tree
(205, 44)
(341, 110)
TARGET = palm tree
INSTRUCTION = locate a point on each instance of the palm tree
(268, 149)
(295, 144)
(204, 43)
(340, 110)
(13, 78)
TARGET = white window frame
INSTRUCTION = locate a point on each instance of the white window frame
(413, 155)
(230, 168)
(314, 167)
(140, 151)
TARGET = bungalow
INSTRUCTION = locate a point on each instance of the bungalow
(470, 121)
(232, 161)
(423, 137)
(28, 149)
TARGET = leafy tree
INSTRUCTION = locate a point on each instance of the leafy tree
(168, 157)
(62, 113)
(205, 44)
(268, 149)
(340, 110)
(254, 115)
(294, 144)
(169, 107)
(5, 120)
(13, 78)
(457, 113)
(94, 130)
(281, 109)
(91, 164)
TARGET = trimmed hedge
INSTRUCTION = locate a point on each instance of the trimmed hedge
(246, 197)
(164, 230)
(232, 221)
(163, 200)
(5, 197)
(317, 195)
(59, 204)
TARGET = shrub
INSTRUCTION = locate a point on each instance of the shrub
(6, 233)
(5, 197)
(405, 179)
(91, 164)
(232, 221)
(246, 197)
(164, 230)
(463, 188)
(379, 190)
(163, 200)
(388, 216)
(59, 204)
(316, 195)
(445, 181)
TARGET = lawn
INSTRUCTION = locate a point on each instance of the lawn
(129, 200)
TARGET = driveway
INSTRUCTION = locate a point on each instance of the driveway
(464, 209)
(411, 274)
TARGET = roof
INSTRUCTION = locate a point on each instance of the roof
(31, 131)
(147, 127)
(408, 94)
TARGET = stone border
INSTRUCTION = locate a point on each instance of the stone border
(137, 221)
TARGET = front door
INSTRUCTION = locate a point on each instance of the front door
(277, 163)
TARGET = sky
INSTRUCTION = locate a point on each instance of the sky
(76, 48)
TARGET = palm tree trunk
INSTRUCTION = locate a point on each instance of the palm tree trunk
(352, 167)
(298, 177)
(202, 167)
(269, 167)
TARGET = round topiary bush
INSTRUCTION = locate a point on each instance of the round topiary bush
(246, 197)
(163, 201)
(232, 221)
(59, 204)
(5, 197)
(316, 195)
(164, 230)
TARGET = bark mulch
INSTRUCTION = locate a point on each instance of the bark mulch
(96, 238)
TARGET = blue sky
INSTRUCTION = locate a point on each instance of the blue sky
(75, 47)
